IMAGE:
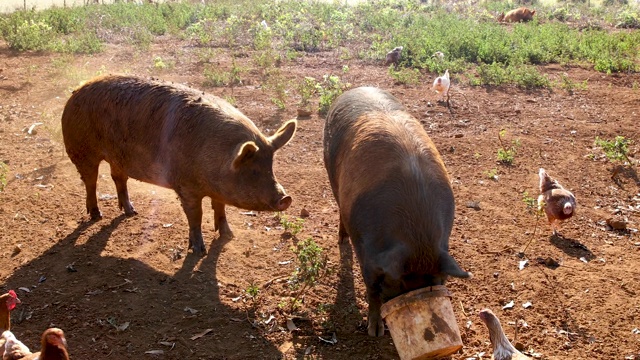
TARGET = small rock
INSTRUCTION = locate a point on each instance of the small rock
(458, 135)
(475, 205)
(519, 346)
(304, 213)
(617, 223)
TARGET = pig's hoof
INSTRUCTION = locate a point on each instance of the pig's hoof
(131, 212)
(201, 251)
(376, 328)
(95, 214)
(198, 247)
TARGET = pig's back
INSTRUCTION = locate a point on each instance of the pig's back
(345, 117)
(148, 128)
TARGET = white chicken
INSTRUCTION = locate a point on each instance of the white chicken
(441, 84)
(439, 55)
(502, 348)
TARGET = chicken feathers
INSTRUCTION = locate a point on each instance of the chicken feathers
(441, 84)
(558, 203)
(502, 348)
(53, 347)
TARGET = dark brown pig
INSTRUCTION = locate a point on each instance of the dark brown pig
(176, 137)
(396, 203)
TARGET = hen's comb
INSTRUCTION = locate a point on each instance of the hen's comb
(13, 294)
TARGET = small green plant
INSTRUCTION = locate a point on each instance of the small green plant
(530, 202)
(306, 89)
(231, 100)
(570, 85)
(4, 170)
(253, 290)
(506, 155)
(310, 268)
(158, 63)
(405, 75)
(330, 88)
(492, 174)
(276, 83)
(294, 227)
(615, 150)
(216, 77)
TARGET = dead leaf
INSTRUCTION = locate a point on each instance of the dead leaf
(271, 317)
(192, 311)
(522, 264)
(123, 327)
(285, 347)
(154, 352)
(198, 336)
(527, 305)
(291, 325)
(508, 306)
(24, 289)
(332, 341)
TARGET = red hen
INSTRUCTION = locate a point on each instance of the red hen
(558, 203)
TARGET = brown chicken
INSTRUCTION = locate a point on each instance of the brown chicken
(558, 203)
(502, 348)
(8, 302)
(53, 347)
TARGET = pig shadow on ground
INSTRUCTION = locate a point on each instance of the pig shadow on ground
(344, 314)
(571, 247)
(106, 291)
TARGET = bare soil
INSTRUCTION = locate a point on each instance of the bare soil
(123, 286)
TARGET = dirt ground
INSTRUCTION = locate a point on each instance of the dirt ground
(121, 287)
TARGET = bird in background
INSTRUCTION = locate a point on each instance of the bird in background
(441, 84)
(502, 348)
(558, 203)
(393, 56)
(439, 55)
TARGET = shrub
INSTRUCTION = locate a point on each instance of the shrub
(616, 149)
(4, 170)
(330, 88)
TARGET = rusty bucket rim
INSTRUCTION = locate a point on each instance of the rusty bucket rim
(410, 297)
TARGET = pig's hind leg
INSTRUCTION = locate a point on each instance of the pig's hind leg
(88, 169)
(220, 223)
(192, 206)
(120, 178)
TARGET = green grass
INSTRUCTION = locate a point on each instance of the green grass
(474, 44)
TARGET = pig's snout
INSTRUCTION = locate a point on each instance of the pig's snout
(283, 203)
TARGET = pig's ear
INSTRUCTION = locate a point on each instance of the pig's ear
(283, 135)
(246, 152)
(533, 12)
(449, 266)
